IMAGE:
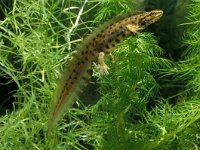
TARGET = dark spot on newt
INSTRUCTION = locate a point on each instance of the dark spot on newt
(100, 50)
(117, 40)
(123, 34)
(107, 46)
(86, 79)
(118, 34)
(89, 71)
(86, 58)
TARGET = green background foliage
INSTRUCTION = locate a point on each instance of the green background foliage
(150, 99)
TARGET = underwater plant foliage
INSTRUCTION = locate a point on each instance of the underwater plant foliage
(127, 109)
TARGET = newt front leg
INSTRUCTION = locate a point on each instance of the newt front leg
(102, 66)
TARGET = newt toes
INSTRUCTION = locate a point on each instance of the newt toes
(77, 71)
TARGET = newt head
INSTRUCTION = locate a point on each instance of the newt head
(149, 18)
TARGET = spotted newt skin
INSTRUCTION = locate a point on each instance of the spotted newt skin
(77, 71)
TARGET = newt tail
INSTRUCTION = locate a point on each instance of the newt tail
(77, 71)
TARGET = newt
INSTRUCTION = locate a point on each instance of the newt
(78, 71)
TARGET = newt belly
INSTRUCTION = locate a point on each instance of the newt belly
(77, 71)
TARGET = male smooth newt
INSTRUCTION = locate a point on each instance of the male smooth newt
(77, 71)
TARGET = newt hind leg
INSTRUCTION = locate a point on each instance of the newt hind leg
(111, 57)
